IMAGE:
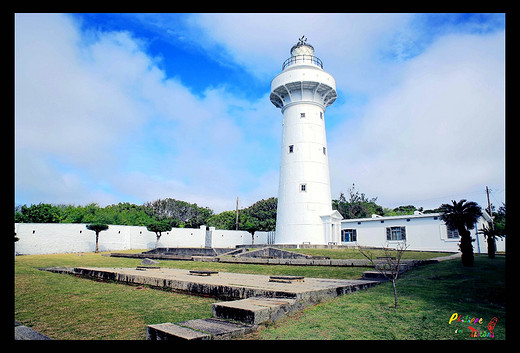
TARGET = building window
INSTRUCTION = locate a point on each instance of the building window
(395, 233)
(303, 187)
(453, 233)
(321, 115)
(302, 115)
(291, 148)
(325, 150)
(348, 235)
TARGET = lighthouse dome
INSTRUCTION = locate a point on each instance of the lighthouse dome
(302, 53)
(302, 48)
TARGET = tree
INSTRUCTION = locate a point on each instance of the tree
(500, 219)
(495, 229)
(462, 216)
(179, 212)
(251, 225)
(357, 205)
(260, 216)
(491, 233)
(401, 210)
(224, 220)
(263, 213)
(40, 213)
(72, 213)
(390, 267)
(97, 227)
(158, 227)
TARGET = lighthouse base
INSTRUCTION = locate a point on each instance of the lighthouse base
(328, 231)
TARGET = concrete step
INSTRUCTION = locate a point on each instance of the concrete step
(169, 331)
(254, 310)
(376, 275)
(199, 329)
(217, 328)
(385, 266)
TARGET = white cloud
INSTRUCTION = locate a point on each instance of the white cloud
(101, 120)
(440, 131)
(348, 44)
(63, 106)
(97, 120)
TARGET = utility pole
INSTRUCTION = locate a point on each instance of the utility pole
(489, 207)
(236, 221)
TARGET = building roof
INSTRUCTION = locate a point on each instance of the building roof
(383, 218)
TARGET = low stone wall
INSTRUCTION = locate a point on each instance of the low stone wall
(317, 262)
(298, 262)
(188, 251)
(272, 253)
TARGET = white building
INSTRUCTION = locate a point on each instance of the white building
(424, 232)
(303, 90)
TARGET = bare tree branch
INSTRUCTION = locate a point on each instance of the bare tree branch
(390, 264)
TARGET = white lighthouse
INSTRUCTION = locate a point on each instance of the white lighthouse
(303, 91)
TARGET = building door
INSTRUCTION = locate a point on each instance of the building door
(207, 243)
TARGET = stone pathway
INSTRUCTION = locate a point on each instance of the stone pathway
(24, 333)
(251, 299)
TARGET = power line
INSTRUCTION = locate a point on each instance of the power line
(499, 191)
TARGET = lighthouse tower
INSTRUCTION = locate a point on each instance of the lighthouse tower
(303, 90)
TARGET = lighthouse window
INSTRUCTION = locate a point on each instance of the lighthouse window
(291, 148)
(303, 187)
(321, 115)
(302, 115)
(324, 150)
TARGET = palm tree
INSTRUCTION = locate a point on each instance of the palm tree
(490, 233)
(462, 216)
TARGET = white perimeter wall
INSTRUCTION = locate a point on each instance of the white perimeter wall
(424, 234)
(55, 238)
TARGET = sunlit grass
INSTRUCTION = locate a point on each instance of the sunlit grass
(68, 307)
(428, 296)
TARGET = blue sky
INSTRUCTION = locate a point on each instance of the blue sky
(135, 107)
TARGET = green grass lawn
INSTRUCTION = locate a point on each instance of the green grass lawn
(428, 297)
(68, 307)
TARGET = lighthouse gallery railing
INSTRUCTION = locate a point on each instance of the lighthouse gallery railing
(302, 59)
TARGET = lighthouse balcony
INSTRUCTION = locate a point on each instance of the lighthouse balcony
(302, 59)
(298, 91)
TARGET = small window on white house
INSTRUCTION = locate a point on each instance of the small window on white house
(348, 235)
(453, 233)
(303, 187)
(395, 233)
(302, 115)
(291, 148)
